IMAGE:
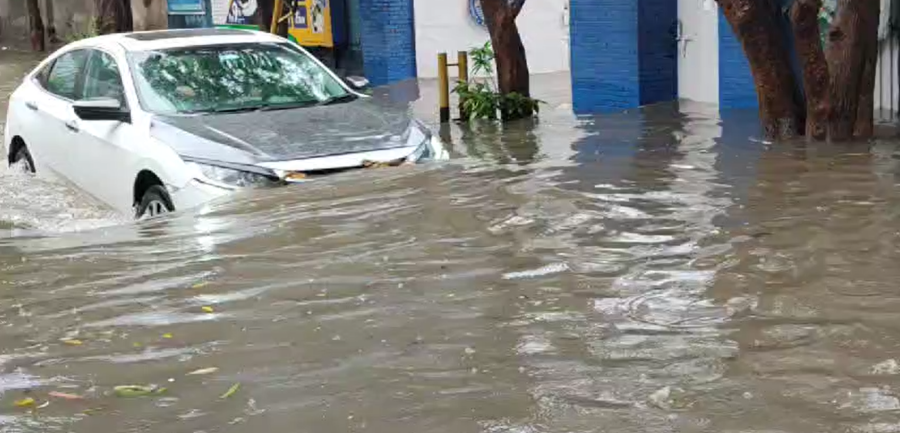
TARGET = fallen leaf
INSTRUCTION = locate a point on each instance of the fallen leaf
(202, 371)
(231, 391)
(65, 396)
(167, 335)
(25, 402)
(200, 285)
(207, 309)
(133, 390)
(73, 342)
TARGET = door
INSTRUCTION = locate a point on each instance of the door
(51, 139)
(106, 148)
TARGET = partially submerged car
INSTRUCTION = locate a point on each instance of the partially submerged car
(151, 122)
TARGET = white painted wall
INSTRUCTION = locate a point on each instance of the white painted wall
(887, 85)
(445, 26)
(220, 11)
(698, 51)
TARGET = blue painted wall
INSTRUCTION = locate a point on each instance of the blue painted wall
(658, 50)
(623, 53)
(736, 87)
(388, 40)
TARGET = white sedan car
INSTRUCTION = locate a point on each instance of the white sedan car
(152, 122)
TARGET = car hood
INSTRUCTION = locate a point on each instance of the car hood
(284, 135)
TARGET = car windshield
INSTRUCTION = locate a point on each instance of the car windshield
(231, 78)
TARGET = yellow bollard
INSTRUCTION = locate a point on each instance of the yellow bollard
(463, 64)
(276, 16)
(443, 88)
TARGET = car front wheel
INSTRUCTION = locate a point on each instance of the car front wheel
(23, 160)
(155, 202)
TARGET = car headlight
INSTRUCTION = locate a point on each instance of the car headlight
(236, 177)
(430, 146)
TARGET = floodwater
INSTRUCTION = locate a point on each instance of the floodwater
(652, 271)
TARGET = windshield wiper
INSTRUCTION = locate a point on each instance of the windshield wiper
(238, 109)
(289, 106)
(339, 99)
(329, 101)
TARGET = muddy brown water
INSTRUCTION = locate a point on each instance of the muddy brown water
(652, 271)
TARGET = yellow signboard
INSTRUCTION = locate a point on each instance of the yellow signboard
(310, 20)
(311, 23)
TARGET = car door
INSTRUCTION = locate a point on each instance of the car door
(49, 134)
(108, 149)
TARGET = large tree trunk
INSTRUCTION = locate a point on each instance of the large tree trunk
(755, 25)
(35, 26)
(150, 14)
(113, 16)
(869, 18)
(846, 63)
(51, 21)
(804, 17)
(509, 53)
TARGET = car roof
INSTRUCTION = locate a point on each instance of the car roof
(165, 39)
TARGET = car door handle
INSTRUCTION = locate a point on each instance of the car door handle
(73, 126)
(31, 106)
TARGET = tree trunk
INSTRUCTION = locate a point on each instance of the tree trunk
(869, 17)
(51, 21)
(509, 53)
(35, 26)
(150, 14)
(804, 17)
(755, 25)
(846, 64)
(266, 11)
(113, 16)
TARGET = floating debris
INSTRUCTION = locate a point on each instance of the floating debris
(200, 285)
(207, 309)
(73, 342)
(137, 390)
(65, 396)
(25, 402)
(231, 391)
(167, 335)
(203, 371)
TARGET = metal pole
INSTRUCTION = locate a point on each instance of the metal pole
(277, 10)
(444, 88)
(463, 65)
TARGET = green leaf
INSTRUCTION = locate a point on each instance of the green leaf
(231, 391)
(133, 390)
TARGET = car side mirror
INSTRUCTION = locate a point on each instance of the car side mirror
(357, 83)
(102, 109)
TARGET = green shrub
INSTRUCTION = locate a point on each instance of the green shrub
(480, 97)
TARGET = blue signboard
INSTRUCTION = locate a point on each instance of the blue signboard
(187, 7)
(476, 13)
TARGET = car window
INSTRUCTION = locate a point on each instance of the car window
(230, 77)
(43, 75)
(102, 79)
(65, 77)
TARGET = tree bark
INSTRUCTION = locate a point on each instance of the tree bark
(51, 21)
(509, 53)
(846, 64)
(36, 26)
(755, 25)
(150, 14)
(113, 16)
(869, 17)
(804, 17)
